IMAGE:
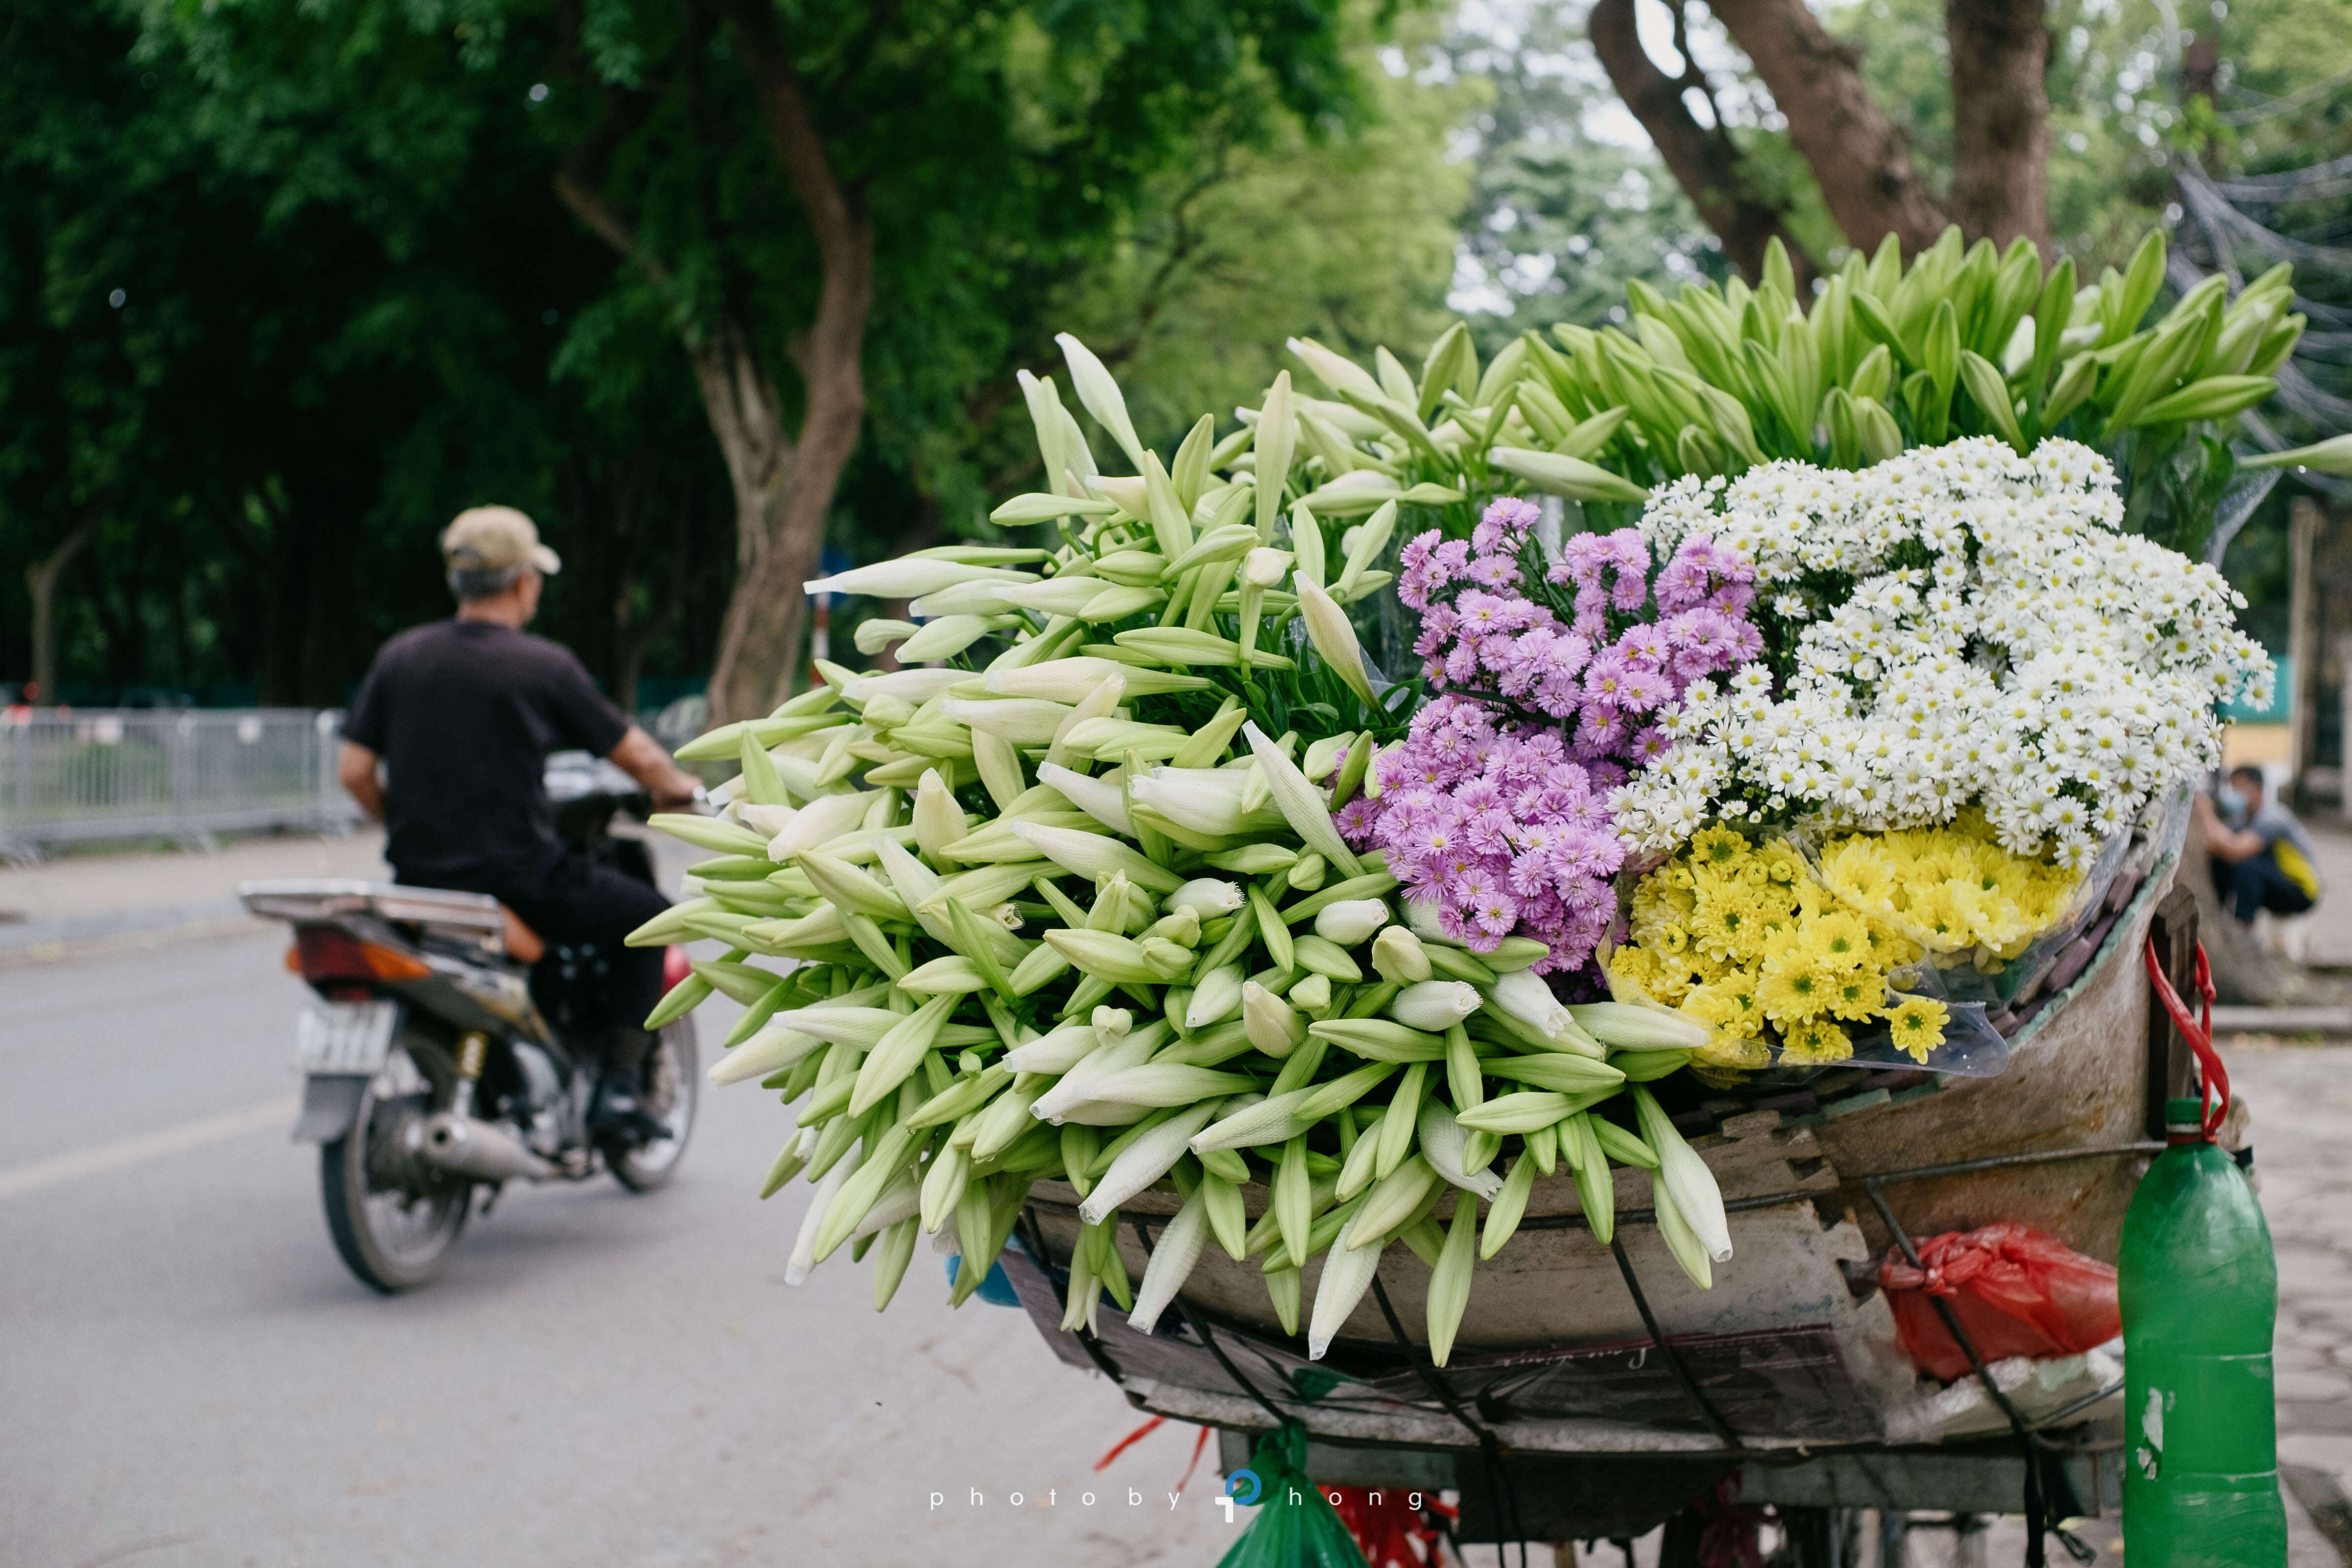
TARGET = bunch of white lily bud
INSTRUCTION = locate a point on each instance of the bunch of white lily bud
(1069, 905)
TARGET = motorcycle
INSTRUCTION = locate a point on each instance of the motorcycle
(448, 1050)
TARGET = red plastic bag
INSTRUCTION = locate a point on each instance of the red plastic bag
(1390, 1533)
(2016, 1291)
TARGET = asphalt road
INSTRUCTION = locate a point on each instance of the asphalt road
(189, 1377)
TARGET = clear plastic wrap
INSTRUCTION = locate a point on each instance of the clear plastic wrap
(1986, 998)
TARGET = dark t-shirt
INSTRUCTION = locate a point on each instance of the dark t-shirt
(464, 714)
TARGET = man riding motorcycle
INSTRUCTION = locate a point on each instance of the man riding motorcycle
(460, 715)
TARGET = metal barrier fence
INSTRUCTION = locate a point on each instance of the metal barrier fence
(75, 775)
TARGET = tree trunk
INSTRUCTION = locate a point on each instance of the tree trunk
(1705, 162)
(41, 580)
(759, 644)
(784, 483)
(2000, 119)
(1859, 156)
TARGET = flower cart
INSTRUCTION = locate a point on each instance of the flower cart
(1532, 1059)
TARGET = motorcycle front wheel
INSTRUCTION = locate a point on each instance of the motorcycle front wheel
(673, 1083)
(392, 1217)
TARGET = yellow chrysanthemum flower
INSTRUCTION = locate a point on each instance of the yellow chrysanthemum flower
(1838, 940)
(1723, 1010)
(1917, 1025)
(1815, 1044)
(1857, 994)
(1861, 872)
(1932, 915)
(1794, 989)
(1718, 848)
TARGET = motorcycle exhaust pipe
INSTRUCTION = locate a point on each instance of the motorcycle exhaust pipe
(480, 1148)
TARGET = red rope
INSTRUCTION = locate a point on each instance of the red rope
(1129, 1441)
(1199, 1445)
(2213, 1077)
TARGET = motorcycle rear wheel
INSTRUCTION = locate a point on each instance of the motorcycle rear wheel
(673, 1084)
(394, 1219)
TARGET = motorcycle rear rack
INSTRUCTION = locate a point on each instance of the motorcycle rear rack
(471, 919)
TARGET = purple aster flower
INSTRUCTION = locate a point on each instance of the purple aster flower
(1506, 520)
(1356, 821)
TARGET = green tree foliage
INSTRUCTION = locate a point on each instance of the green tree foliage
(1348, 240)
(384, 260)
(252, 370)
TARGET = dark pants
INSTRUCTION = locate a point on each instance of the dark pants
(2256, 883)
(576, 901)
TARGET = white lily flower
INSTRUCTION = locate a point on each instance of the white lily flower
(1207, 896)
(1059, 596)
(1351, 921)
(1347, 1273)
(1323, 755)
(1076, 1086)
(910, 576)
(915, 883)
(804, 1258)
(1056, 679)
(1096, 857)
(1276, 444)
(1102, 702)
(916, 686)
(1362, 544)
(1131, 496)
(1526, 997)
(765, 820)
(821, 821)
(1172, 1261)
(1101, 798)
(1215, 998)
(975, 598)
(1434, 1005)
(1443, 1143)
(1058, 1052)
(1397, 954)
(939, 820)
(1263, 567)
(1354, 493)
(1024, 720)
(1148, 1158)
(874, 635)
(1420, 914)
(1334, 370)
(771, 1051)
(945, 638)
(1334, 638)
(1101, 394)
(1271, 1024)
(1301, 804)
(1206, 800)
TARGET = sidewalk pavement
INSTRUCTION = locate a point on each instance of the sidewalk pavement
(82, 904)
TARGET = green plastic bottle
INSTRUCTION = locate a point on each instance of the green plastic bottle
(2199, 1298)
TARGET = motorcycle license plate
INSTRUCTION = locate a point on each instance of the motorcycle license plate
(343, 1037)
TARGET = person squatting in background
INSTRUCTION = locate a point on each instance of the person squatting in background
(2260, 857)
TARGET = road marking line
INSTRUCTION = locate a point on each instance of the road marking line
(147, 1146)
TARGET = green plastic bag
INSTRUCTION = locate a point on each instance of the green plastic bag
(1296, 1525)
